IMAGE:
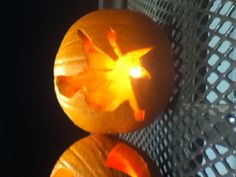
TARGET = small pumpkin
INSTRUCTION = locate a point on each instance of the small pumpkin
(94, 155)
(114, 71)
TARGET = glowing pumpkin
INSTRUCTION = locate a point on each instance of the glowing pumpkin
(114, 71)
(94, 155)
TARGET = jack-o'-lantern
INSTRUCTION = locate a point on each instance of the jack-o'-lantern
(114, 71)
(101, 155)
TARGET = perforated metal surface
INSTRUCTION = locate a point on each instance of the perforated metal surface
(196, 136)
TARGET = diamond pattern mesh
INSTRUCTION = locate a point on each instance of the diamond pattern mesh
(196, 135)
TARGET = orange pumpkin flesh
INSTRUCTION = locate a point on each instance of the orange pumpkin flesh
(94, 155)
(117, 78)
(124, 158)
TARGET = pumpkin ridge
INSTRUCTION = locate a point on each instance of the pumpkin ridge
(98, 143)
(83, 161)
(70, 44)
(61, 61)
(59, 165)
(100, 147)
(103, 152)
(66, 165)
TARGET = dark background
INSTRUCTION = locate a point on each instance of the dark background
(34, 129)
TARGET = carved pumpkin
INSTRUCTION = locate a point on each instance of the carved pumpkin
(114, 71)
(94, 155)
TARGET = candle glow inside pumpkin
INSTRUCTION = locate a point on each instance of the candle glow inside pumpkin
(135, 72)
(106, 82)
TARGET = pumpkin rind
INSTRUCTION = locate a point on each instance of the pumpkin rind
(86, 158)
(134, 31)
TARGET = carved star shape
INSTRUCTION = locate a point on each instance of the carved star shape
(105, 82)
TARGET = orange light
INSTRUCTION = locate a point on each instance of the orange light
(108, 75)
(136, 72)
(125, 159)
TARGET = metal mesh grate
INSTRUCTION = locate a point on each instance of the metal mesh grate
(196, 136)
